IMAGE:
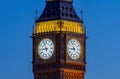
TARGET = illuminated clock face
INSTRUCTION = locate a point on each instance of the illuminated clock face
(73, 49)
(46, 48)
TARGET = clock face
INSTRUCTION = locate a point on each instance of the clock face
(45, 48)
(73, 49)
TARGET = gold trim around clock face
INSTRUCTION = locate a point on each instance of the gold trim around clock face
(45, 48)
(74, 49)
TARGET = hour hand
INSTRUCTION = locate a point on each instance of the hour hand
(46, 48)
(72, 48)
(42, 49)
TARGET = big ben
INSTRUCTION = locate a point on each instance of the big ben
(59, 43)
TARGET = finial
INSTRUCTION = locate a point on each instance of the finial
(36, 12)
(82, 15)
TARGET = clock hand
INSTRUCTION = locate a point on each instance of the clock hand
(42, 49)
(74, 48)
(46, 48)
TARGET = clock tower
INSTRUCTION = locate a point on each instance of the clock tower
(59, 40)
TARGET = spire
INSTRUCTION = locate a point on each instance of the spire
(59, 10)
